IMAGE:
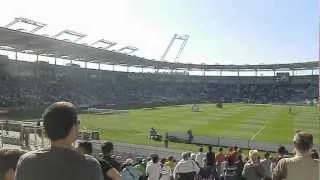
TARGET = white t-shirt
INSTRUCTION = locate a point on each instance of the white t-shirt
(186, 166)
(153, 171)
(199, 158)
(165, 173)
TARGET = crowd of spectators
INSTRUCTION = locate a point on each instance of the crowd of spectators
(140, 88)
(64, 162)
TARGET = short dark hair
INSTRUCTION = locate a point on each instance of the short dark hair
(87, 146)
(107, 147)
(267, 155)
(282, 150)
(220, 149)
(303, 141)
(163, 160)
(9, 159)
(210, 148)
(201, 149)
(58, 119)
(154, 158)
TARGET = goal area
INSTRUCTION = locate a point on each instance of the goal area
(240, 100)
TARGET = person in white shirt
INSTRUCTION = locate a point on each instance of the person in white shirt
(200, 156)
(186, 169)
(165, 170)
(153, 169)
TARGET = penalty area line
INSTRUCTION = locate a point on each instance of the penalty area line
(256, 134)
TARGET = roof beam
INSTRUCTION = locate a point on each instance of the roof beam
(106, 42)
(72, 33)
(38, 25)
(131, 48)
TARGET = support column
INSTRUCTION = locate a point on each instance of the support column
(221, 72)
(293, 72)
(127, 68)
(312, 71)
(238, 73)
(256, 72)
(86, 65)
(204, 73)
(55, 61)
(99, 66)
(16, 56)
(113, 67)
(142, 69)
(37, 58)
(274, 73)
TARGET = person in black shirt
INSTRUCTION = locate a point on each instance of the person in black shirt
(107, 149)
(211, 162)
(108, 171)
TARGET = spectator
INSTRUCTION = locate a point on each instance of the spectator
(266, 165)
(107, 149)
(141, 166)
(200, 156)
(211, 162)
(231, 170)
(235, 154)
(301, 166)
(60, 161)
(129, 172)
(205, 172)
(153, 169)
(282, 153)
(165, 170)
(220, 158)
(171, 163)
(186, 169)
(85, 148)
(252, 169)
(8, 163)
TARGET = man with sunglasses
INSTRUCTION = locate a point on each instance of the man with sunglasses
(60, 161)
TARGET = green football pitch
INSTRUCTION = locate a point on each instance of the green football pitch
(267, 123)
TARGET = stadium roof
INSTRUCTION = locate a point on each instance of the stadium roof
(30, 43)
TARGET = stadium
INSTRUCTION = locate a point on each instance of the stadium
(259, 111)
(150, 106)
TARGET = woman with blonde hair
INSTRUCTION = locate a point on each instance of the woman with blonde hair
(252, 169)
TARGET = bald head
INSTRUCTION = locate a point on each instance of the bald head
(303, 141)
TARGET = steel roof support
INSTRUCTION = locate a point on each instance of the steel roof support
(38, 25)
(72, 33)
(184, 38)
(106, 42)
(131, 48)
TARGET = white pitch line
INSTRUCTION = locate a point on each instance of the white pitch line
(256, 134)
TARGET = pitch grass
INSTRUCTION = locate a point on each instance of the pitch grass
(267, 123)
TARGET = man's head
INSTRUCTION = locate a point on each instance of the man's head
(85, 147)
(210, 148)
(107, 148)
(8, 162)
(267, 155)
(282, 150)
(155, 158)
(221, 149)
(303, 141)
(201, 149)
(61, 122)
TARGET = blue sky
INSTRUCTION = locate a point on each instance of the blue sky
(221, 31)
